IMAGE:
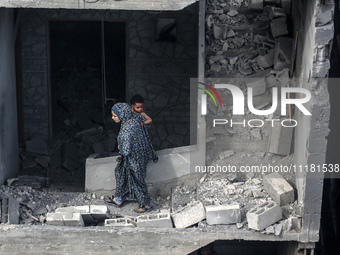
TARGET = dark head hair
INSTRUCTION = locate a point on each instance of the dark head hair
(137, 99)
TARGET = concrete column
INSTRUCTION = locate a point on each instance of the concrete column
(8, 106)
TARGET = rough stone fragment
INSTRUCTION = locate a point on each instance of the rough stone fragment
(214, 59)
(279, 27)
(159, 220)
(223, 214)
(277, 229)
(226, 154)
(278, 188)
(219, 31)
(232, 60)
(120, 222)
(264, 215)
(209, 21)
(189, 215)
(232, 13)
(286, 5)
(283, 53)
(43, 161)
(267, 60)
(320, 69)
(243, 68)
(215, 67)
(324, 34)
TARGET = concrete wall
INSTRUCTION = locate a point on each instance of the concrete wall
(310, 137)
(8, 108)
(160, 5)
(159, 71)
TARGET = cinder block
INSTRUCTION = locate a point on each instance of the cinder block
(278, 188)
(121, 222)
(13, 211)
(280, 139)
(98, 212)
(65, 219)
(264, 215)
(223, 214)
(189, 215)
(74, 209)
(279, 27)
(159, 220)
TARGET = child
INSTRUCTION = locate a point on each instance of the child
(137, 103)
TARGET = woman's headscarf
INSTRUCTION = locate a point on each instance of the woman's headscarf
(123, 111)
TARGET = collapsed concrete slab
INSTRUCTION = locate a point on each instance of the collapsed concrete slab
(278, 188)
(264, 215)
(189, 215)
(223, 214)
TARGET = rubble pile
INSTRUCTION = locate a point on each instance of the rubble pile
(63, 160)
(243, 43)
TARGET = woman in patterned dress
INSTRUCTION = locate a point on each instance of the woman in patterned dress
(130, 172)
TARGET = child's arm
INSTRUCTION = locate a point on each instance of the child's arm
(148, 119)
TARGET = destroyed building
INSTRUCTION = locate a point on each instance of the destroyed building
(63, 64)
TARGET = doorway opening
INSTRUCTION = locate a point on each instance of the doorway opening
(87, 76)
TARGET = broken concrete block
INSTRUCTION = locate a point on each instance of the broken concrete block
(40, 210)
(226, 154)
(320, 69)
(215, 58)
(276, 12)
(264, 215)
(70, 154)
(279, 27)
(28, 162)
(36, 182)
(43, 161)
(277, 229)
(267, 60)
(283, 53)
(189, 215)
(65, 219)
(244, 68)
(98, 212)
(256, 4)
(324, 15)
(37, 147)
(280, 139)
(278, 188)
(232, 13)
(291, 223)
(74, 209)
(13, 211)
(219, 31)
(223, 214)
(159, 220)
(216, 67)
(120, 222)
(258, 86)
(324, 34)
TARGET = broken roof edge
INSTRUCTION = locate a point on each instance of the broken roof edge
(136, 5)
